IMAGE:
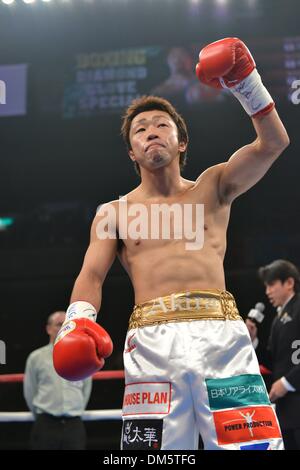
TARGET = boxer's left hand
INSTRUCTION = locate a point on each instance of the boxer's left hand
(229, 64)
(278, 390)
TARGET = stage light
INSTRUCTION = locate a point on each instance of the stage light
(252, 3)
(5, 222)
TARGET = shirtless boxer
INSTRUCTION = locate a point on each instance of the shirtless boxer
(189, 364)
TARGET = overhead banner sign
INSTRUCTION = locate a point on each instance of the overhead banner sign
(13, 89)
(108, 81)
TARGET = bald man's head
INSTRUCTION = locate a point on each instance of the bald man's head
(54, 324)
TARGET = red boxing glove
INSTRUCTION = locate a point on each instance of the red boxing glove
(229, 64)
(80, 348)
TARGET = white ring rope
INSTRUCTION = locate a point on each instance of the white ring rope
(90, 415)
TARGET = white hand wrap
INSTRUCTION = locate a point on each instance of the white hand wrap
(251, 93)
(81, 309)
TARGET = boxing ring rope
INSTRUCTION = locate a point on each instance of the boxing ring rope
(103, 375)
(92, 415)
(89, 415)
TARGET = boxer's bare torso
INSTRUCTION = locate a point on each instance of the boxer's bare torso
(158, 267)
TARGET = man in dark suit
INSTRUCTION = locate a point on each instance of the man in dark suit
(282, 356)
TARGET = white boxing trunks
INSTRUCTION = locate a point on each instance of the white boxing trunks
(190, 368)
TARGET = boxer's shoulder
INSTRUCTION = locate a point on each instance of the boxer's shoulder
(208, 181)
(212, 172)
(106, 215)
(106, 207)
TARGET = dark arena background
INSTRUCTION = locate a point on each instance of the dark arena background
(74, 66)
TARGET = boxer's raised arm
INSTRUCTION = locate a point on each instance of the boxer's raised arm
(249, 164)
(229, 64)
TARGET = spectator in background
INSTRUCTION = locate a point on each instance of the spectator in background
(57, 404)
(282, 282)
(182, 81)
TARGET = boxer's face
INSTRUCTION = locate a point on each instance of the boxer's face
(154, 140)
(278, 292)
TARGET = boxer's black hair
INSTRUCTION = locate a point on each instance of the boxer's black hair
(280, 270)
(152, 103)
